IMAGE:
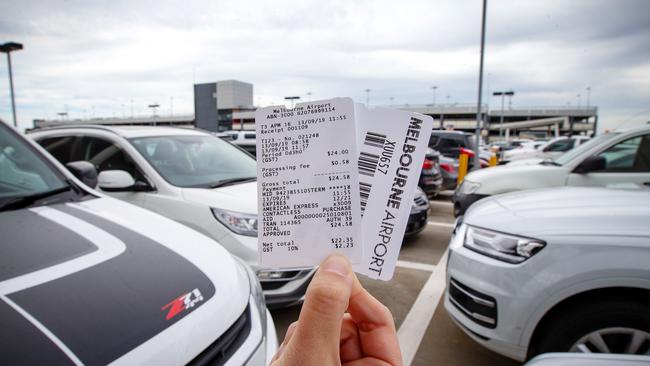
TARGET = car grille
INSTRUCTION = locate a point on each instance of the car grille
(416, 222)
(225, 346)
(276, 283)
(420, 201)
(479, 307)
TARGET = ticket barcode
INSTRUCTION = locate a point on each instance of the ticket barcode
(375, 139)
(368, 164)
(364, 193)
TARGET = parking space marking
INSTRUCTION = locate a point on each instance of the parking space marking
(416, 265)
(445, 224)
(417, 320)
(441, 203)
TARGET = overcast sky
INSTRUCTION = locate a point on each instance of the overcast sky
(101, 55)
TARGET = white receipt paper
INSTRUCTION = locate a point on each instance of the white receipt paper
(337, 177)
(308, 196)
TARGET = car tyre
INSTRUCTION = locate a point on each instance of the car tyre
(616, 326)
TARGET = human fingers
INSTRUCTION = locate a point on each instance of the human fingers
(350, 345)
(316, 337)
(375, 325)
(287, 337)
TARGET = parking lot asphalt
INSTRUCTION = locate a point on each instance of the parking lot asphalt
(428, 336)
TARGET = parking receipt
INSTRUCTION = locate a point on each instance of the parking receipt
(308, 196)
(392, 145)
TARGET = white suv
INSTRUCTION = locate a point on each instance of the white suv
(554, 270)
(187, 175)
(610, 158)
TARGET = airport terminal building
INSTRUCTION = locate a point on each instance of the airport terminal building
(226, 105)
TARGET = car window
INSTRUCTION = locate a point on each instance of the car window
(433, 140)
(560, 145)
(249, 136)
(447, 143)
(631, 155)
(60, 147)
(195, 161)
(105, 155)
(23, 171)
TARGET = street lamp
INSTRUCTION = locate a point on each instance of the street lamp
(588, 96)
(368, 96)
(292, 99)
(8, 48)
(153, 107)
(503, 94)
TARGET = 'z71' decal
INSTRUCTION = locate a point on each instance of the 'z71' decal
(183, 302)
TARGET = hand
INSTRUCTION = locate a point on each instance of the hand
(325, 334)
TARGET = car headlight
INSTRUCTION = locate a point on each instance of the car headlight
(256, 292)
(505, 247)
(468, 187)
(240, 223)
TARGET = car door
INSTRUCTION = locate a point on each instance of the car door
(627, 161)
(107, 155)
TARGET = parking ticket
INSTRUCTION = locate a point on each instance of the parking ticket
(392, 145)
(308, 200)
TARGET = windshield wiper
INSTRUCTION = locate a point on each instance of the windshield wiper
(550, 162)
(231, 181)
(26, 201)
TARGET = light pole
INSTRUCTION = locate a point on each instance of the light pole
(309, 96)
(153, 107)
(292, 99)
(434, 88)
(578, 96)
(479, 115)
(588, 96)
(503, 94)
(8, 48)
(367, 96)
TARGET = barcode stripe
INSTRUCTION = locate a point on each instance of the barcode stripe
(375, 139)
(368, 164)
(364, 193)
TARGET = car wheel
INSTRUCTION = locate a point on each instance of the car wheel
(608, 327)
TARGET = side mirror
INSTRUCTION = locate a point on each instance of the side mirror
(591, 164)
(115, 181)
(84, 171)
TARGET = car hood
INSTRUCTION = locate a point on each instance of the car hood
(565, 211)
(504, 178)
(523, 162)
(237, 197)
(103, 280)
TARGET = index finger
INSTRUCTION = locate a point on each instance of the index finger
(376, 325)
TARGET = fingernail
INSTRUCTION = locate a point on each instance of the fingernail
(338, 264)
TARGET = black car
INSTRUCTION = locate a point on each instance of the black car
(450, 143)
(431, 181)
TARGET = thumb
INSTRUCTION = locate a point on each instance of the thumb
(319, 324)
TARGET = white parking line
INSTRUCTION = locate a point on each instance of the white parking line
(416, 265)
(441, 203)
(445, 224)
(417, 320)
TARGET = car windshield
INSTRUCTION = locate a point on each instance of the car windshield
(24, 172)
(570, 155)
(196, 161)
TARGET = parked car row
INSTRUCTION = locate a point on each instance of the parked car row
(553, 257)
